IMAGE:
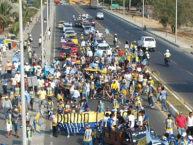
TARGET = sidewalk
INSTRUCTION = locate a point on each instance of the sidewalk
(167, 37)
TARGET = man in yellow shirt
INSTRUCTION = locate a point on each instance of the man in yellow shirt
(49, 91)
(42, 95)
(114, 87)
(53, 119)
(8, 121)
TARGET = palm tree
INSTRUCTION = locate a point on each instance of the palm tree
(5, 9)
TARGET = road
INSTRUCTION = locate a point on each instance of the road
(156, 117)
(65, 13)
(179, 76)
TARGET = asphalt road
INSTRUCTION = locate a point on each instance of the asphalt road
(156, 117)
(179, 76)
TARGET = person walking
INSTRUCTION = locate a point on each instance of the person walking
(8, 66)
(190, 124)
(16, 122)
(49, 33)
(87, 140)
(180, 122)
(6, 105)
(53, 119)
(42, 95)
(163, 97)
(169, 125)
(8, 122)
(29, 131)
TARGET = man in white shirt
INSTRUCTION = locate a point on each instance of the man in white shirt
(104, 120)
(40, 83)
(130, 120)
(57, 74)
(83, 43)
(27, 68)
(89, 53)
(128, 78)
(49, 33)
(40, 41)
(76, 95)
(18, 77)
(140, 120)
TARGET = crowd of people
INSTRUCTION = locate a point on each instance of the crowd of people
(67, 86)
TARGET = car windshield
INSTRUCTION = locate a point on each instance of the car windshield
(71, 45)
(72, 37)
(138, 135)
(70, 32)
(87, 28)
(99, 13)
(103, 47)
(149, 39)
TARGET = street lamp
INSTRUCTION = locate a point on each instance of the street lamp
(176, 26)
(143, 14)
(42, 27)
(123, 8)
(47, 14)
(22, 72)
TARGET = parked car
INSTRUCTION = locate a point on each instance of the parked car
(99, 15)
(147, 42)
(101, 47)
(85, 23)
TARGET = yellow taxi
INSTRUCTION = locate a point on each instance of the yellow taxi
(73, 37)
(60, 24)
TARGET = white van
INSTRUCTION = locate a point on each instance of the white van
(147, 42)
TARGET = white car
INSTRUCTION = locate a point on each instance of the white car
(99, 15)
(67, 26)
(101, 47)
(67, 23)
(147, 42)
(69, 31)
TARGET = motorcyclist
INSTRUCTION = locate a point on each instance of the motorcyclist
(115, 39)
(167, 55)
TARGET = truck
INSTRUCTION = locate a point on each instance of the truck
(146, 42)
(93, 4)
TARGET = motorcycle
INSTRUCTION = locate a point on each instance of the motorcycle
(167, 61)
(115, 41)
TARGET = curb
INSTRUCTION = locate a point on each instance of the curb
(173, 43)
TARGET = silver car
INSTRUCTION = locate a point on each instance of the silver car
(88, 29)
(99, 15)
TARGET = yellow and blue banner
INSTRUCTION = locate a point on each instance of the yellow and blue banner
(37, 124)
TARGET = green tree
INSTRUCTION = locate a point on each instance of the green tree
(5, 14)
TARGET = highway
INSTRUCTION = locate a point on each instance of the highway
(65, 12)
(179, 76)
(156, 117)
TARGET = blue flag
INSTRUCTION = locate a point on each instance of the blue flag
(92, 65)
(73, 71)
(49, 69)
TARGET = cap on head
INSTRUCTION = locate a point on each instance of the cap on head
(6, 97)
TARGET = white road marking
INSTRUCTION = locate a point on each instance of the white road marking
(188, 108)
(174, 62)
(165, 87)
(51, 143)
(175, 96)
(189, 73)
(127, 32)
(159, 52)
(156, 78)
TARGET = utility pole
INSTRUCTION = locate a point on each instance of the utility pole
(111, 5)
(22, 73)
(42, 31)
(129, 7)
(47, 14)
(176, 26)
(143, 14)
(123, 8)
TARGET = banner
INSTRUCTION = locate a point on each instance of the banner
(37, 124)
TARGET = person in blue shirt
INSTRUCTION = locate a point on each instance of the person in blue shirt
(184, 140)
(110, 122)
(145, 118)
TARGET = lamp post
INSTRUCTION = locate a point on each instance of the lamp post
(47, 14)
(42, 35)
(111, 5)
(22, 72)
(123, 8)
(176, 25)
(143, 14)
